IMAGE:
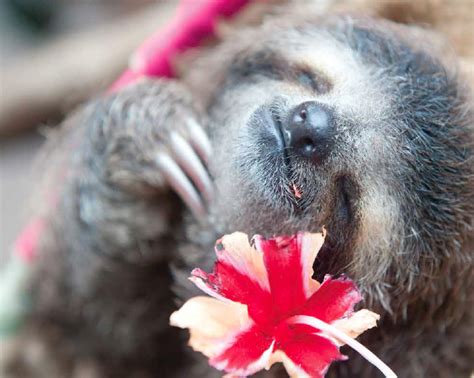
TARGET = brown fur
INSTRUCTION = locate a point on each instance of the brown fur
(119, 244)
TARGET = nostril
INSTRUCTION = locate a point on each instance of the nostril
(303, 114)
(299, 117)
(307, 146)
(310, 130)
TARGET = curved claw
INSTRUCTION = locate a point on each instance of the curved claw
(187, 158)
(199, 139)
(180, 183)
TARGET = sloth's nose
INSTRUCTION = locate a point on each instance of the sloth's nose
(309, 131)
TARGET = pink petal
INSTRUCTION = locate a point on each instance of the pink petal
(235, 250)
(239, 275)
(289, 261)
(310, 246)
(211, 323)
(357, 323)
(248, 353)
(310, 353)
(291, 368)
(334, 299)
(229, 284)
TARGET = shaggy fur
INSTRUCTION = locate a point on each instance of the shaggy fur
(396, 195)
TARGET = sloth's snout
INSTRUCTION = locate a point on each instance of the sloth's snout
(309, 131)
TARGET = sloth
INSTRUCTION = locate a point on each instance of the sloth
(357, 125)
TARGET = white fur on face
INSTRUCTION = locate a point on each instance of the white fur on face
(359, 95)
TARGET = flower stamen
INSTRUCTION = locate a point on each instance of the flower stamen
(354, 344)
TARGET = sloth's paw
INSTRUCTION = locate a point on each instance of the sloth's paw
(154, 141)
(183, 165)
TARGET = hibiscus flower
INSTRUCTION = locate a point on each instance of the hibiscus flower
(266, 308)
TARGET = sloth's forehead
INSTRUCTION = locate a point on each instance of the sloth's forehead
(340, 76)
(357, 88)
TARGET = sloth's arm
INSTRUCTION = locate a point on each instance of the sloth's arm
(104, 259)
(134, 154)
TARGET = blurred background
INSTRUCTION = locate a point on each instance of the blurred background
(53, 55)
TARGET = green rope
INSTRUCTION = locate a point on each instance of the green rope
(14, 301)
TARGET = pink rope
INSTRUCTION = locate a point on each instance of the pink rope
(194, 21)
(26, 245)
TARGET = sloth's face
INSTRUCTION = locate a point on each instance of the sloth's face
(319, 127)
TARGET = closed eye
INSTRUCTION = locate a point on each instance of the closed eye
(268, 63)
(315, 82)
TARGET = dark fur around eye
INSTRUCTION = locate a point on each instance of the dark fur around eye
(272, 65)
(313, 81)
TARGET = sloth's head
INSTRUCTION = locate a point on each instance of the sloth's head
(346, 124)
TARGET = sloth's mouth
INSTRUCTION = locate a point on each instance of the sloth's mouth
(330, 196)
(307, 190)
(276, 122)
